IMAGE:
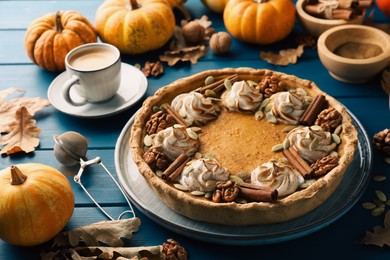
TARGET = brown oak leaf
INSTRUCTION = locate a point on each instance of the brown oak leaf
(8, 108)
(108, 232)
(284, 57)
(22, 136)
(191, 54)
(380, 236)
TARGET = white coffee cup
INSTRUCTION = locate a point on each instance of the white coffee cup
(94, 71)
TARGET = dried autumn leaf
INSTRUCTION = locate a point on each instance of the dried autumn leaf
(108, 232)
(107, 253)
(380, 236)
(8, 108)
(204, 21)
(284, 57)
(191, 54)
(22, 136)
(385, 82)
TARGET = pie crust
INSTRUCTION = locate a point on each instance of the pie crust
(251, 213)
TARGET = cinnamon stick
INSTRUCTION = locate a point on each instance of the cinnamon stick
(180, 120)
(297, 162)
(174, 165)
(257, 193)
(311, 113)
(178, 170)
(218, 85)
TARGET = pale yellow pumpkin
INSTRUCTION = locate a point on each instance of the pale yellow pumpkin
(36, 202)
(49, 38)
(215, 5)
(133, 27)
(259, 21)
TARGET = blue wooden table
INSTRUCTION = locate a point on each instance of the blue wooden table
(368, 102)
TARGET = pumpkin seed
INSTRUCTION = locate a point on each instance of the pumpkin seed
(251, 83)
(286, 144)
(259, 115)
(301, 91)
(210, 93)
(304, 185)
(287, 109)
(381, 196)
(368, 205)
(192, 134)
(180, 187)
(379, 178)
(287, 129)
(336, 138)
(198, 155)
(277, 148)
(338, 129)
(387, 160)
(138, 66)
(378, 202)
(316, 128)
(209, 80)
(334, 154)
(198, 193)
(159, 173)
(196, 129)
(243, 175)
(178, 126)
(211, 183)
(377, 211)
(236, 179)
(314, 144)
(155, 109)
(271, 118)
(208, 195)
(268, 107)
(264, 103)
(228, 84)
(148, 141)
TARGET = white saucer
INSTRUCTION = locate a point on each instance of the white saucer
(133, 87)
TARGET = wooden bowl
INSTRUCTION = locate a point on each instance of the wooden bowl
(355, 69)
(316, 26)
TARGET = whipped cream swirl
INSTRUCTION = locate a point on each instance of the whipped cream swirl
(195, 108)
(277, 175)
(288, 107)
(242, 98)
(311, 143)
(203, 174)
(175, 141)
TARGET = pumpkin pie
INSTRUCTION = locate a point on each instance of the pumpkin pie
(242, 146)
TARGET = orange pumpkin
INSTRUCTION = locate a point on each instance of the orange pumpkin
(384, 6)
(49, 38)
(215, 5)
(133, 27)
(36, 203)
(259, 21)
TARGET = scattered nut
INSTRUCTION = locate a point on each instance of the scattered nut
(220, 42)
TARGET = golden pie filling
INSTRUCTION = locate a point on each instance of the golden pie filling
(242, 146)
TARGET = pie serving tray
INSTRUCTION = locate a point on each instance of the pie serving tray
(346, 195)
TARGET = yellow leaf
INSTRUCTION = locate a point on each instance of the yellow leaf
(22, 136)
(8, 108)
